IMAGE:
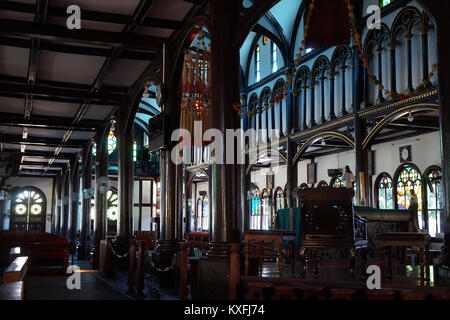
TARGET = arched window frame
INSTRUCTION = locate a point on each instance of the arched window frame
(421, 212)
(265, 210)
(29, 225)
(279, 193)
(255, 207)
(273, 57)
(430, 188)
(379, 180)
(257, 64)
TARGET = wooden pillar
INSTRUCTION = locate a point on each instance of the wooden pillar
(68, 200)
(86, 202)
(62, 193)
(125, 177)
(140, 206)
(292, 173)
(361, 161)
(409, 61)
(440, 10)
(101, 170)
(380, 98)
(322, 95)
(75, 202)
(225, 76)
(312, 122)
(305, 92)
(57, 196)
(332, 112)
(393, 66)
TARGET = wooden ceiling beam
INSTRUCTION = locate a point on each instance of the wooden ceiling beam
(45, 142)
(7, 89)
(83, 36)
(47, 122)
(92, 15)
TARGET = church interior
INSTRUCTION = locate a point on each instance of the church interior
(224, 150)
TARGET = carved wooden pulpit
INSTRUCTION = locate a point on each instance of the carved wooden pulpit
(328, 222)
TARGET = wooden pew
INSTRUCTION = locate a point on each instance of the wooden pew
(14, 279)
(39, 246)
(14, 253)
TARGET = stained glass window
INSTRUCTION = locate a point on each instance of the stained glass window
(255, 209)
(265, 223)
(385, 194)
(112, 212)
(201, 218)
(112, 144)
(435, 202)
(410, 179)
(274, 57)
(205, 213)
(385, 2)
(112, 202)
(258, 64)
(134, 151)
(28, 209)
(280, 200)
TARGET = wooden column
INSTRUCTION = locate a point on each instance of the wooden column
(409, 61)
(67, 199)
(224, 178)
(305, 92)
(86, 202)
(425, 70)
(380, 98)
(125, 178)
(332, 112)
(322, 94)
(343, 107)
(393, 66)
(440, 11)
(101, 170)
(75, 202)
(361, 161)
(292, 173)
(55, 218)
(312, 106)
(140, 206)
(62, 211)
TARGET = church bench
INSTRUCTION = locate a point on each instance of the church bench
(17, 270)
(42, 248)
(12, 291)
(14, 279)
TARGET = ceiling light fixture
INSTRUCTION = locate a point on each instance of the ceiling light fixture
(410, 117)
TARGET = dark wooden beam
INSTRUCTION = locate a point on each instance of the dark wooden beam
(46, 122)
(73, 49)
(47, 142)
(47, 155)
(43, 163)
(82, 36)
(92, 15)
(8, 89)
